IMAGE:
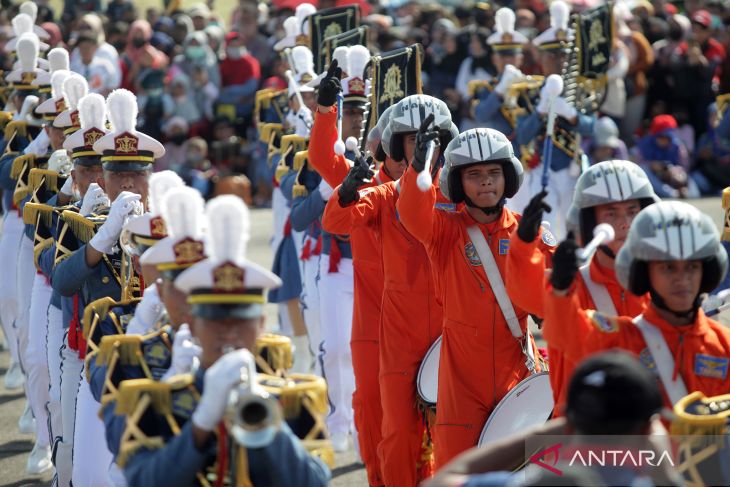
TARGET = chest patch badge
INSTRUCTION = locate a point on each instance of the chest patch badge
(450, 207)
(709, 366)
(603, 322)
(471, 254)
(646, 358)
(503, 246)
(548, 238)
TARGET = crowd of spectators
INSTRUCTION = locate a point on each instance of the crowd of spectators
(195, 74)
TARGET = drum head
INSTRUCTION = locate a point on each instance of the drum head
(528, 404)
(428, 373)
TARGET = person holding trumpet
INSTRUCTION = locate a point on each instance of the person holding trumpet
(672, 253)
(189, 439)
(610, 192)
(486, 348)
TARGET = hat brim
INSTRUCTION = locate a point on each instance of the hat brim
(119, 166)
(87, 161)
(288, 41)
(223, 311)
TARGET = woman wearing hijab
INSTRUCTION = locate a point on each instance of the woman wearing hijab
(139, 55)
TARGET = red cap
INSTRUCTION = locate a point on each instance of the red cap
(670, 9)
(662, 123)
(231, 36)
(703, 18)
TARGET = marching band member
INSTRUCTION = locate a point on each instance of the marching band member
(482, 330)
(552, 45)
(673, 253)
(226, 293)
(411, 316)
(367, 264)
(611, 192)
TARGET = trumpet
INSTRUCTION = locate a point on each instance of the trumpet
(253, 417)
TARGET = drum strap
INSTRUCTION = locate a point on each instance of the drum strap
(659, 350)
(500, 293)
(598, 293)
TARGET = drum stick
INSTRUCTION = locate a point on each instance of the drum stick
(339, 145)
(718, 310)
(297, 93)
(553, 88)
(602, 234)
(424, 180)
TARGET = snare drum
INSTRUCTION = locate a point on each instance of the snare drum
(530, 403)
(428, 374)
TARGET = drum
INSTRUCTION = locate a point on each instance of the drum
(428, 374)
(304, 405)
(530, 403)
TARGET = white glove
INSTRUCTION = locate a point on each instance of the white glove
(108, 234)
(184, 352)
(509, 76)
(325, 190)
(147, 312)
(95, 196)
(220, 379)
(67, 187)
(564, 109)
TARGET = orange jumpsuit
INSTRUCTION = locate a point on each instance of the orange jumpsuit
(526, 263)
(480, 359)
(701, 350)
(368, 285)
(410, 322)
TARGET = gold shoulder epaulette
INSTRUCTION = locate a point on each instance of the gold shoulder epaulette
(15, 127)
(33, 211)
(20, 162)
(273, 354)
(126, 347)
(604, 323)
(43, 178)
(300, 159)
(98, 310)
(131, 392)
(292, 143)
(82, 228)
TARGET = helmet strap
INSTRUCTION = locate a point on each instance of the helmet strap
(487, 210)
(690, 314)
(607, 252)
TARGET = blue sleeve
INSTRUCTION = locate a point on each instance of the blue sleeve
(177, 463)
(488, 107)
(723, 128)
(46, 259)
(306, 210)
(97, 374)
(584, 125)
(528, 128)
(114, 426)
(286, 462)
(286, 185)
(6, 182)
(69, 276)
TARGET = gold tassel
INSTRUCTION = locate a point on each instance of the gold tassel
(131, 391)
(83, 228)
(127, 346)
(15, 127)
(281, 170)
(299, 191)
(321, 449)
(300, 159)
(20, 163)
(726, 207)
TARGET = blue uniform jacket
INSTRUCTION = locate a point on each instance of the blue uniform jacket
(532, 126)
(488, 112)
(282, 463)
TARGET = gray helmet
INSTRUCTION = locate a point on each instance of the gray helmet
(476, 146)
(406, 118)
(603, 183)
(375, 137)
(666, 231)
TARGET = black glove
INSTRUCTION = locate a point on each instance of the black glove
(529, 225)
(359, 175)
(565, 264)
(423, 137)
(330, 86)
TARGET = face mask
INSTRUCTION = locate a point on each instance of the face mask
(194, 159)
(234, 52)
(178, 139)
(138, 42)
(195, 52)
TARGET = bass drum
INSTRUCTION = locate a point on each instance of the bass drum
(530, 403)
(428, 374)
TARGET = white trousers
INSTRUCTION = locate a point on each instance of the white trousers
(310, 307)
(280, 210)
(54, 343)
(91, 456)
(37, 380)
(71, 367)
(336, 301)
(560, 193)
(25, 276)
(9, 249)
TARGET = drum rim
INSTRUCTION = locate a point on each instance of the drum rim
(506, 396)
(435, 343)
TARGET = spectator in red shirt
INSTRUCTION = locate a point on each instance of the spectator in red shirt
(240, 75)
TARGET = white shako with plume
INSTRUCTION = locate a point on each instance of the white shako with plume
(295, 29)
(56, 104)
(126, 149)
(341, 55)
(75, 88)
(25, 76)
(23, 24)
(355, 90)
(226, 284)
(558, 35)
(31, 10)
(92, 121)
(506, 40)
(183, 210)
(57, 61)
